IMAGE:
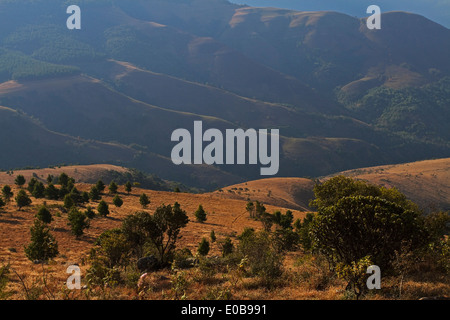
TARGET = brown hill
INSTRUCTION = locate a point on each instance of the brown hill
(424, 182)
(293, 193)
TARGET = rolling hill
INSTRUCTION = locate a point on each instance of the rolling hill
(423, 182)
(342, 96)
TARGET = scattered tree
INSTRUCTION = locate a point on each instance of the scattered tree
(100, 186)
(43, 245)
(22, 199)
(117, 201)
(128, 187)
(200, 214)
(113, 187)
(103, 208)
(78, 221)
(144, 200)
(20, 180)
(94, 193)
(203, 247)
(7, 193)
(44, 215)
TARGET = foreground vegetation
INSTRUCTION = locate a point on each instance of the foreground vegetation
(325, 255)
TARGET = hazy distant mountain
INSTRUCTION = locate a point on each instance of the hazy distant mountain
(436, 10)
(342, 96)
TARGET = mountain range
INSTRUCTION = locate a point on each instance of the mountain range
(342, 96)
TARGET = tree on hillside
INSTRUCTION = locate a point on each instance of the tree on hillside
(100, 186)
(357, 227)
(44, 215)
(51, 192)
(22, 199)
(117, 201)
(128, 187)
(20, 180)
(78, 221)
(2, 203)
(144, 200)
(164, 229)
(68, 202)
(7, 193)
(113, 187)
(94, 193)
(43, 245)
(38, 190)
(203, 247)
(200, 214)
(103, 208)
(63, 179)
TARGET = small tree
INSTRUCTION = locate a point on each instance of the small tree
(128, 187)
(113, 187)
(89, 212)
(31, 185)
(203, 247)
(38, 190)
(20, 180)
(7, 193)
(200, 214)
(43, 245)
(50, 179)
(144, 200)
(63, 179)
(51, 192)
(44, 215)
(22, 199)
(78, 221)
(164, 229)
(100, 186)
(94, 193)
(117, 201)
(212, 235)
(103, 208)
(227, 247)
(2, 203)
(68, 201)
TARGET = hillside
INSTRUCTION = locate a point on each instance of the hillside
(342, 97)
(423, 182)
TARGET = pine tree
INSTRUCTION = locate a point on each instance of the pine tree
(20, 180)
(200, 214)
(128, 187)
(100, 186)
(78, 221)
(43, 245)
(7, 193)
(103, 208)
(144, 200)
(203, 247)
(22, 199)
(113, 187)
(44, 215)
(94, 194)
(117, 201)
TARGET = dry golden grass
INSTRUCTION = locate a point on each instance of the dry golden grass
(226, 216)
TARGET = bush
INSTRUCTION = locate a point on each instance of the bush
(262, 257)
(360, 226)
(227, 247)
